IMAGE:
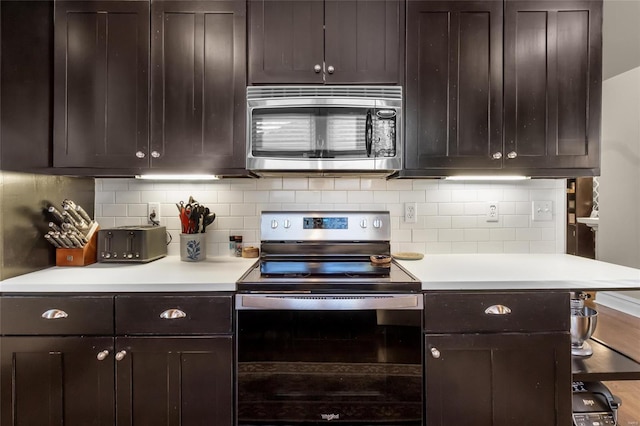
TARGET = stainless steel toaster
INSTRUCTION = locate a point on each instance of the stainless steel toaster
(132, 244)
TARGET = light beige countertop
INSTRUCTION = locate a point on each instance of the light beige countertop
(520, 272)
(450, 272)
(168, 274)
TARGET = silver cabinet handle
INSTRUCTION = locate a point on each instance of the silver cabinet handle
(435, 353)
(140, 154)
(317, 68)
(155, 154)
(120, 355)
(102, 355)
(173, 314)
(330, 69)
(497, 155)
(512, 155)
(497, 310)
(52, 314)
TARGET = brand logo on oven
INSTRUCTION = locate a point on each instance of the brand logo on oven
(330, 417)
(589, 402)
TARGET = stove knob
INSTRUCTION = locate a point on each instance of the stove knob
(363, 223)
(287, 223)
(377, 223)
(274, 224)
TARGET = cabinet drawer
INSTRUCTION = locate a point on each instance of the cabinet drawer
(43, 315)
(466, 312)
(173, 314)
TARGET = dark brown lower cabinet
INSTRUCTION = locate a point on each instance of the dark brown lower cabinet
(62, 363)
(498, 379)
(174, 381)
(56, 381)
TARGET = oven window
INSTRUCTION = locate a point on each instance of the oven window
(308, 367)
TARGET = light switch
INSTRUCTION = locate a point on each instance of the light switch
(542, 211)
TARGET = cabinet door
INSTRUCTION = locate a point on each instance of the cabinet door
(101, 84)
(175, 381)
(27, 57)
(56, 381)
(286, 41)
(364, 41)
(454, 85)
(198, 85)
(553, 83)
(498, 379)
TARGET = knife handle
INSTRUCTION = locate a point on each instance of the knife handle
(74, 214)
(54, 227)
(52, 241)
(83, 214)
(56, 237)
(55, 214)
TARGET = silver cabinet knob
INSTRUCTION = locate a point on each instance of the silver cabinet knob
(102, 355)
(52, 314)
(512, 155)
(317, 68)
(497, 155)
(120, 355)
(330, 69)
(435, 353)
(140, 154)
(497, 310)
(155, 154)
(170, 314)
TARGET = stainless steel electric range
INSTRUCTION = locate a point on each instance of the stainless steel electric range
(329, 326)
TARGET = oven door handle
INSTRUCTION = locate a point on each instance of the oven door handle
(345, 302)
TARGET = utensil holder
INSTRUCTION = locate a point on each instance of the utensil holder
(193, 247)
(79, 256)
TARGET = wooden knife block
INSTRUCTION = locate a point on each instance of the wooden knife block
(79, 256)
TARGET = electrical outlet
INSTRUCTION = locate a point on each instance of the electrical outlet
(493, 215)
(542, 211)
(411, 212)
(153, 213)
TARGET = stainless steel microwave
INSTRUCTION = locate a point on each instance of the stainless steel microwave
(326, 130)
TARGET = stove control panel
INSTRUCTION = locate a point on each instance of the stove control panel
(325, 226)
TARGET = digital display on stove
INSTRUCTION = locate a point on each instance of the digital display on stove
(325, 223)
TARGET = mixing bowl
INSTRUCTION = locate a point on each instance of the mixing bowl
(583, 324)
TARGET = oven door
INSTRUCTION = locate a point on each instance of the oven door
(308, 359)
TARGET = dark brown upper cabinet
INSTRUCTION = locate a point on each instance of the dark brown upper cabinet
(198, 81)
(553, 84)
(142, 85)
(101, 63)
(454, 84)
(456, 122)
(330, 41)
(26, 43)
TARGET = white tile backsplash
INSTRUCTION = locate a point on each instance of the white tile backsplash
(451, 215)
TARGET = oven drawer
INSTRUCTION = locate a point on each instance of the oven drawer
(496, 312)
(45, 315)
(168, 315)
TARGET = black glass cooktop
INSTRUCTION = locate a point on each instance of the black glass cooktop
(323, 269)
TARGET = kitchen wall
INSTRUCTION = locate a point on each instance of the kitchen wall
(22, 222)
(451, 215)
(618, 238)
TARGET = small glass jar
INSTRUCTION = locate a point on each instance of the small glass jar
(238, 245)
(232, 245)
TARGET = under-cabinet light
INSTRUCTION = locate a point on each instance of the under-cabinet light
(178, 177)
(479, 178)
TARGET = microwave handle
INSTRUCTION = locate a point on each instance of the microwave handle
(368, 137)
